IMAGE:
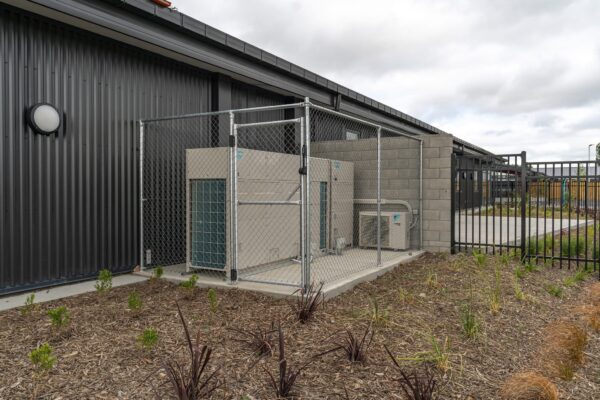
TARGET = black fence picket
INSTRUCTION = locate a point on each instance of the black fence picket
(540, 211)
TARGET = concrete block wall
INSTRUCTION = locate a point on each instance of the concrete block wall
(400, 178)
(437, 153)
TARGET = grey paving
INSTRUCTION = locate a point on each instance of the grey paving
(494, 230)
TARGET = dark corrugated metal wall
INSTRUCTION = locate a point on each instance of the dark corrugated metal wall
(69, 202)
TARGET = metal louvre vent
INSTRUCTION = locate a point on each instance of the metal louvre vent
(208, 223)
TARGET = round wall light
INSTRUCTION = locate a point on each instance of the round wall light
(43, 118)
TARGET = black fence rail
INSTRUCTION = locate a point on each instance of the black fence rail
(562, 212)
(488, 202)
(541, 211)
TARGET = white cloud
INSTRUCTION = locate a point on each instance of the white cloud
(508, 75)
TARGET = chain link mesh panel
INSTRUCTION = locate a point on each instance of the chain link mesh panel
(185, 194)
(344, 171)
(292, 200)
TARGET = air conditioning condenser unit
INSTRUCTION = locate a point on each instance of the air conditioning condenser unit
(394, 230)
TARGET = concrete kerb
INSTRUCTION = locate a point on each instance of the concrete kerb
(329, 290)
(63, 291)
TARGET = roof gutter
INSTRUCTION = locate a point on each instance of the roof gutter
(180, 37)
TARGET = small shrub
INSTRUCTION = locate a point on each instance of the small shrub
(134, 302)
(355, 347)
(533, 247)
(104, 281)
(404, 296)
(519, 272)
(573, 246)
(469, 322)
(528, 386)
(519, 294)
(579, 276)
(195, 381)
(594, 294)
(564, 349)
(538, 246)
(480, 259)
(439, 355)
(379, 316)
(148, 338)
(259, 340)
(158, 272)
(29, 304)
(188, 287)
(548, 241)
(284, 385)
(591, 316)
(212, 300)
(59, 317)
(593, 319)
(431, 280)
(531, 267)
(495, 296)
(42, 357)
(308, 302)
(554, 290)
(190, 283)
(415, 386)
(566, 371)
(505, 259)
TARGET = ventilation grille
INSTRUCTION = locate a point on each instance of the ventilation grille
(368, 230)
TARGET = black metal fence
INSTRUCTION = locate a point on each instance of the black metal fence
(541, 211)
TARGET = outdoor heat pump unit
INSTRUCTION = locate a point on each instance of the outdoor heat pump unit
(268, 208)
(394, 230)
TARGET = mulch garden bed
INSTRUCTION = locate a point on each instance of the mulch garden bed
(98, 355)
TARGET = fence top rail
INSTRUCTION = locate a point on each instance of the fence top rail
(283, 107)
(364, 121)
(225, 112)
(268, 123)
(562, 162)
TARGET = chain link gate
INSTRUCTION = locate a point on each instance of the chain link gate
(270, 207)
(288, 195)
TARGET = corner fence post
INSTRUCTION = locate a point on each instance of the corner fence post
(141, 189)
(308, 248)
(452, 202)
(421, 212)
(379, 196)
(233, 246)
(523, 204)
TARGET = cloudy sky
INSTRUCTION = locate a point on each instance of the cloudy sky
(508, 75)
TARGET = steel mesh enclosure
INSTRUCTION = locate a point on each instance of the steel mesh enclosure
(274, 194)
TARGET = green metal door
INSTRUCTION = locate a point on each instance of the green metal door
(208, 223)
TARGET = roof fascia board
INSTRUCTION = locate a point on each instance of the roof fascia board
(139, 32)
(133, 28)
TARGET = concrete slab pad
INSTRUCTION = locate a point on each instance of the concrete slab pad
(339, 273)
(59, 292)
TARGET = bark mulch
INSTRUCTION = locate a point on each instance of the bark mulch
(419, 304)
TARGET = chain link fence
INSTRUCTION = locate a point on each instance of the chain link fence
(289, 195)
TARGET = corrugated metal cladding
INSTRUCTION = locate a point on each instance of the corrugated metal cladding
(69, 202)
(245, 96)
